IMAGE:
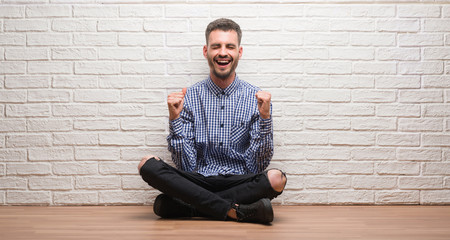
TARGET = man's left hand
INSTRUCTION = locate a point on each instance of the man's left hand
(263, 99)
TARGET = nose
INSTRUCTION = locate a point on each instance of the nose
(223, 52)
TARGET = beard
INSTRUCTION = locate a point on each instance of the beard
(225, 73)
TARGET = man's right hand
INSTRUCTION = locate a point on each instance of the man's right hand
(175, 103)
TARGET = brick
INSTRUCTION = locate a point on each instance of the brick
(27, 110)
(233, 11)
(351, 197)
(74, 25)
(304, 197)
(402, 54)
(97, 154)
(420, 154)
(141, 10)
(400, 168)
(398, 25)
(375, 68)
(29, 197)
(291, 81)
(326, 39)
(127, 197)
(156, 110)
(437, 110)
(136, 154)
(352, 138)
(172, 54)
(352, 53)
(134, 183)
(276, 67)
(95, 39)
(97, 182)
(50, 154)
(96, 124)
(28, 169)
(352, 110)
(373, 96)
(326, 124)
(327, 96)
(404, 110)
(48, 39)
(112, 168)
(290, 153)
(50, 183)
(156, 139)
(421, 68)
(75, 139)
(326, 153)
(374, 124)
(307, 25)
(398, 139)
(120, 82)
(12, 67)
(374, 182)
(49, 125)
(74, 82)
(75, 198)
(420, 182)
(436, 54)
(253, 24)
(121, 139)
(28, 140)
(302, 53)
(436, 169)
(325, 182)
(351, 168)
(142, 96)
(97, 68)
(74, 54)
(295, 182)
(143, 68)
(262, 53)
(421, 39)
(12, 11)
(371, 154)
(50, 67)
(372, 39)
(436, 25)
(396, 82)
(435, 197)
(156, 124)
(138, 39)
(121, 110)
(27, 82)
(12, 39)
(327, 11)
(420, 96)
(438, 140)
(120, 25)
(78, 168)
(13, 183)
(131, 54)
(354, 25)
(278, 10)
(433, 81)
(48, 96)
(100, 11)
(78, 110)
(373, 10)
(13, 96)
(166, 25)
(305, 138)
(397, 197)
(184, 10)
(172, 81)
(418, 11)
(48, 11)
(420, 125)
(13, 155)
(26, 54)
(104, 96)
(25, 25)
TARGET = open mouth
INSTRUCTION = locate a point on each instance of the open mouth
(223, 62)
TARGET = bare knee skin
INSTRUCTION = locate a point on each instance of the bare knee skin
(277, 179)
(144, 159)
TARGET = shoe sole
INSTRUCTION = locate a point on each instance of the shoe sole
(268, 213)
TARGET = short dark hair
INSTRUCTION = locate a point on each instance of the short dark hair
(223, 24)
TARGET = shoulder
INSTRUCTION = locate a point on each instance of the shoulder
(250, 88)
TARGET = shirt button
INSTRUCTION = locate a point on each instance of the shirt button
(221, 125)
(223, 107)
(220, 144)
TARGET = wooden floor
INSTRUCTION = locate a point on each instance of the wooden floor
(291, 222)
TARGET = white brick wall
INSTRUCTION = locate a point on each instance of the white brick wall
(360, 94)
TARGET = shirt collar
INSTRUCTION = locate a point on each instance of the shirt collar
(216, 90)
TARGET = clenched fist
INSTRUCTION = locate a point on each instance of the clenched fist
(263, 99)
(175, 103)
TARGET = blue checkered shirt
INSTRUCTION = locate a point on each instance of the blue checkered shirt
(220, 132)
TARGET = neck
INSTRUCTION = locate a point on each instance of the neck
(223, 83)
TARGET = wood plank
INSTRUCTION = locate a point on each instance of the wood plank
(291, 222)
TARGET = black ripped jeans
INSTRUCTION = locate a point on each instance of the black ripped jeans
(212, 196)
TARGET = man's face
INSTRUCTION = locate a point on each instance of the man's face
(223, 53)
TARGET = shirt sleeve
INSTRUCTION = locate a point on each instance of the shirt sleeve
(181, 141)
(260, 151)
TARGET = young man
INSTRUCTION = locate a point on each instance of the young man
(221, 140)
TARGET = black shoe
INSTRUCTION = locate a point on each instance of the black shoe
(257, 212)
(168, 207)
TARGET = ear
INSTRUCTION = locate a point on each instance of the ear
(240, 52)
(205, 51)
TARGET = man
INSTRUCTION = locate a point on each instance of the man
(221, 140)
